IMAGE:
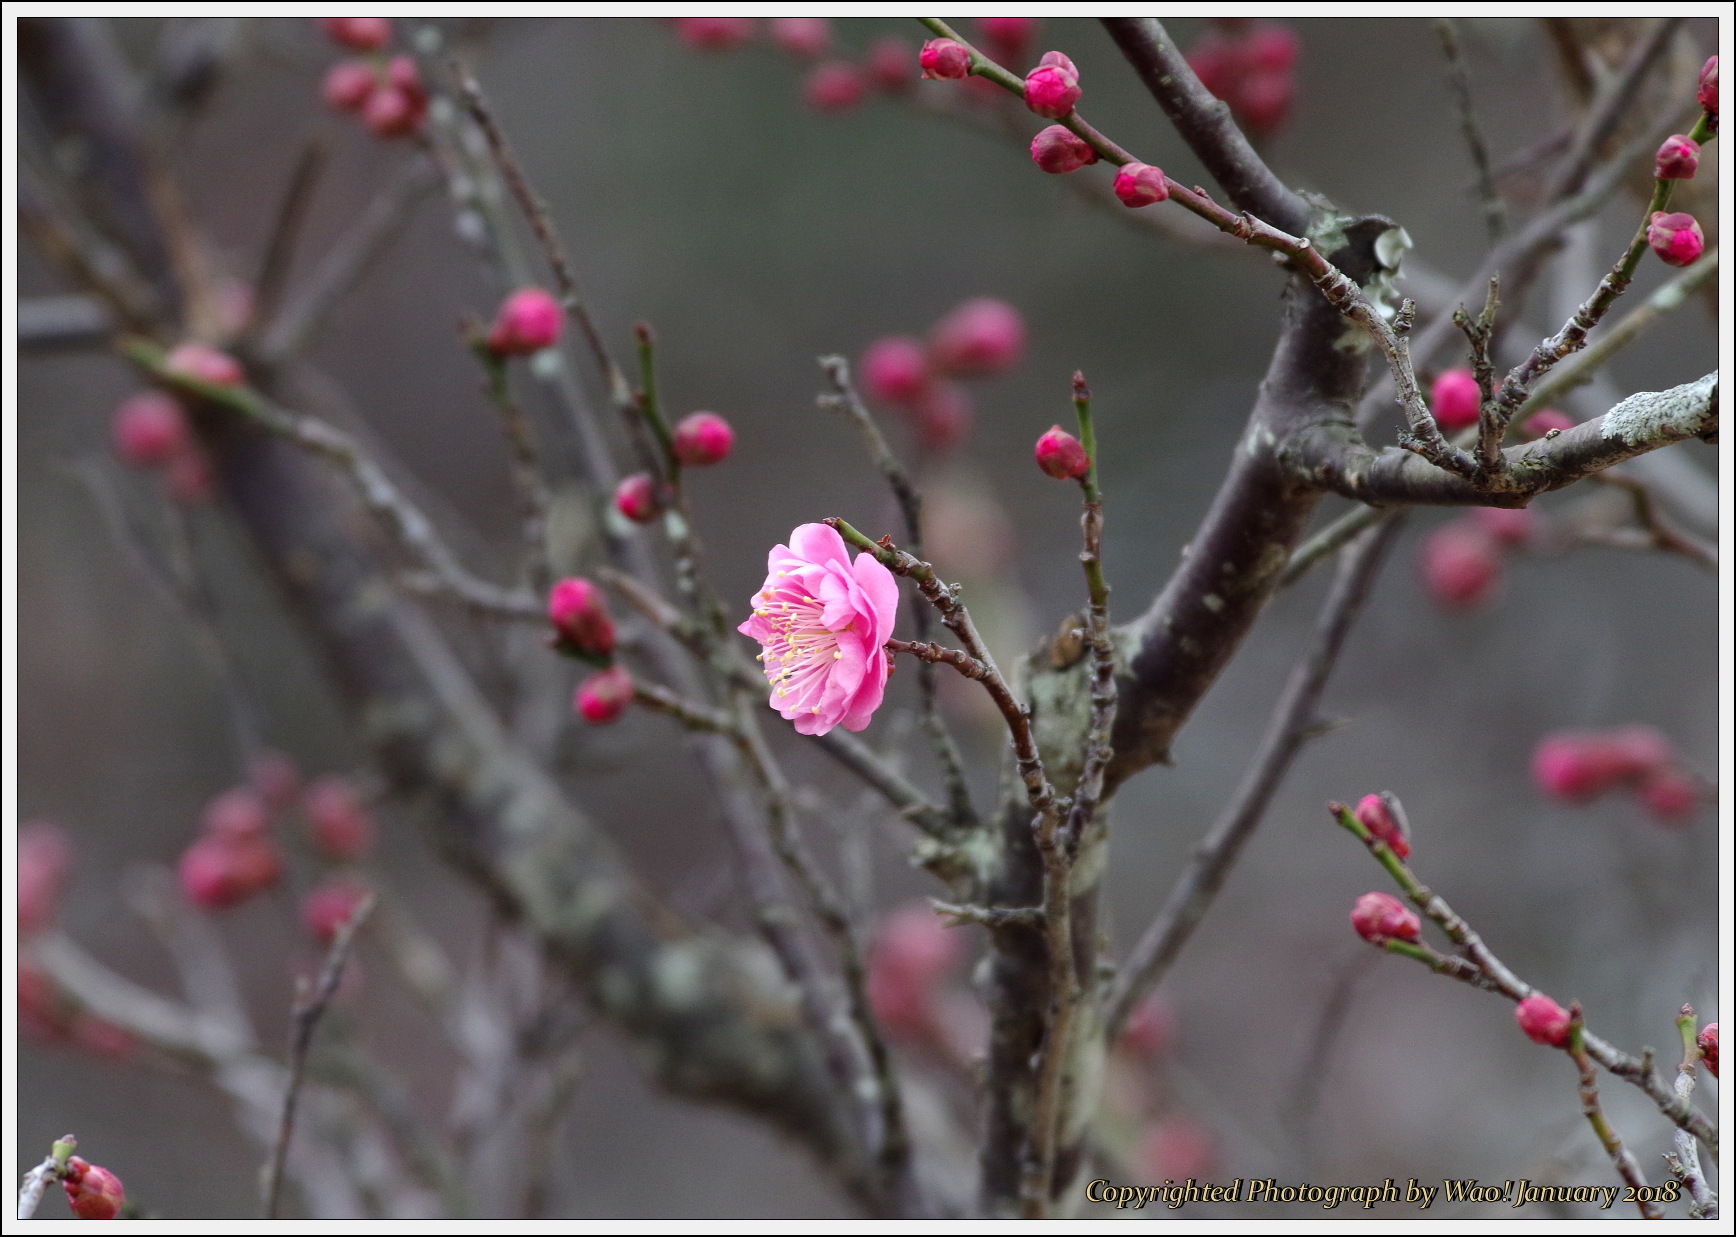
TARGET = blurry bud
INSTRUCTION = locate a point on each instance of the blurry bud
(636, 498)
(1454, 398)
(102, 1037)
(1708, 1036)
(528, 321)
(802, 36)
(44, 859)
(1678, 158)
(1540, 423)
(1708, 90)
(1676, 238)
(338, 821)
(220, 871)
(1057, 150)
(580, 616)
(1273, 48)
(836, 86)
(714, 34)
(944, 59)
(149, 429)
(1140, 184)
(1217, 63)
(889, 63)
(1379, 917)
(328, 907)
(1513, 526)
(205, 363)
(1263, 101)
(348, 84)
(1008, 38)
(703, 438)
(1150, 1029)
(980, 337)
(908, 960)
(189, 478)
(1461, 565)
(1052, 88)
(943, 417)
(1061, 455)
(1177, 1148)
(1542, 1020)
(604, 696)
(1672, 796)
(1573, 768)
(361, 34)
(895, 369)
(397, 108)
(1376, 814)
(238, 812)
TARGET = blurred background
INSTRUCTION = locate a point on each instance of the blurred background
(699, 192)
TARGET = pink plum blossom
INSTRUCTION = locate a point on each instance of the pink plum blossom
(824, 622)
(1542, 1019)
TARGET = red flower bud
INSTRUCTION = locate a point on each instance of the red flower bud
(580, 616)
(703, 438)
(396, 109)
(889, 63)
(1273, 48)
(338, 822)
(1057, 149)
(1542, 1019)
(220, 870)
(836, 86)
(1262, 101)
(362, 34)
(1218, 64)
(802, 36)
(1672, 796)
(1540, 423)
(1061, 455)
(238, 812)
(1052, 88)
(528, 321)
(44, 859)
(636, 498)
(348, 84)
(1177, 1148)
(1008, 38)
(944, 60)
(1678, 158)
(94, 1192)
(604, 696)
(1150, 1029)
(910, 956)
(149, 429)
(1454, 399)
(1676, 238)
(1507, 525)
(1375, 816)
(1574, 768)
(943, 417)
(330, 906)
(1708, 1036)
(1381, 917)
(207, 364)
(979, 337)
(714, 33)
(1461, 565)
(1708, 91)
(895, 369)
(1140, 184)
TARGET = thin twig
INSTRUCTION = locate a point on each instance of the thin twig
(1658, 530)
(292, 213)
(38, 1179)
(1610, 109)
(1620, 1156)
(1685, 1163)
(1459, 77)
(527, 470)
(1293, 722)
(309, 1009)
(1327, 542)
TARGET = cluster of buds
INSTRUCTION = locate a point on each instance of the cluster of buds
(835, 83)
(1578, 767)
(908, 963)
(1380, 917)
(151, 431)
(384, 92)
(1462, 560)
(235, 856)
(93, 1191)
(1252, 68)
(527, 322)
(582, 628)
(979, 338)
(1543, 1020)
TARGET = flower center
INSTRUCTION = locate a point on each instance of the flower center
(799, 650)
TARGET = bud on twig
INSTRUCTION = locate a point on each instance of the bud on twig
(1061, 455)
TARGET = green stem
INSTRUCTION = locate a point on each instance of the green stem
(649, 406)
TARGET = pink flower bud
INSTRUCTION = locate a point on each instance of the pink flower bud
(1574, 768)
(1378, 820)
(330, 906)
(1636, 753)
(397, 108)
(1461, 565)
(149, 429)
(895, 369)
(338, 822)
(1708, 91)
(205, 363)
(604, 696)
(1542, 1020)
(580, 616)
(980, 337)
(944, 60)
(276, 778)
(1057, 149)
(1263, 99)
(1512, 526)
(943, 417)
(1150, 1029)
(1052, 89)
(1059, 60)
(1218, 64)
(1672, 796)
(909, 958)
(889, 63)
(1676, 238)
(636, 498)
(1708, 1036)
(1678, 158)
(1273, 48)
(1061, 455)
(836, 86)
(1140, 184)
(219, 871)
(189, 478)
(94, 1192)
(714, 34)
(1381, 917)
(362, 34)
(1177, 1148)
(802, 36)
(1008, 38)
(703, 438)
(1540, 423)
(528, 321)
(348, 84)
(1454, 399)
(44, 858)
(238, 812)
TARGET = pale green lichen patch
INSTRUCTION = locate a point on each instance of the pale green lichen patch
(1687, 411)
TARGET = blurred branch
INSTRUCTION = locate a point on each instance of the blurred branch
(1612, 106)
(1657, 529)
(48, 323)
(292, 212)
(1459, 78)
(1685, 1163)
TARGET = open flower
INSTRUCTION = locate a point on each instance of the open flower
(824, 622)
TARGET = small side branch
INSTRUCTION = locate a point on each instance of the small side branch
(1620, 1156)
(1459, 78)
(1685, 1163)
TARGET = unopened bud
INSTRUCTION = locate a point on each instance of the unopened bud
(1671, 795)
(1008, 38)
(1676, 238)
(362, 34)
(1454, 398)
(1052, 88)
(1512, 526)
(1061, 455)
(836, 86)
(1708, 1036)
(348, 84)
(944, 59)
(1377, 817)
(1150, 1028)
(1140, 184)
(943, 416)
(1542, 1019)
(1678, 158)
(1058, 149)
(895, 369)
(1708, 91)
(978, 338)
(528, 321)
(150, 429)
(330, 906)
(604, 696)
(802, 36)
(889, 63)
(220, 871)
(636, 498)
(714, 34)
(93, 1191)
(580, 616)
(338, 821)
(1461, 565)
(196, 360)
(1540, 423)
(1379, 917)
(238, 812)
(702, 438)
